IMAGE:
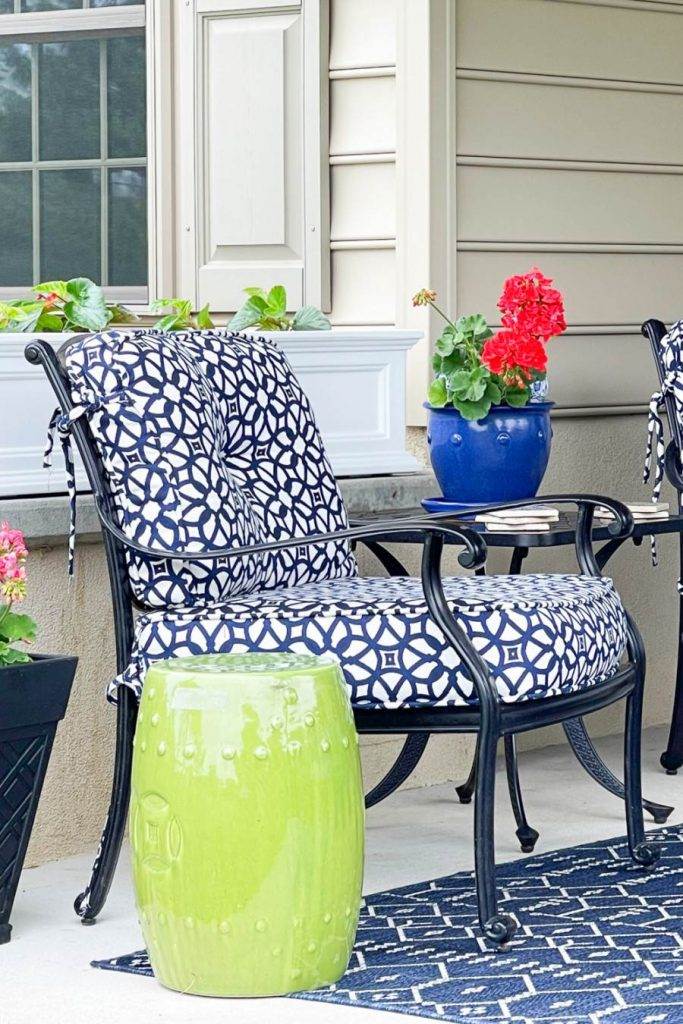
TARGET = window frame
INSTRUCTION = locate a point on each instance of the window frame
(154, 18)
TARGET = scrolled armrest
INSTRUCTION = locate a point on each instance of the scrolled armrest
(473, 555)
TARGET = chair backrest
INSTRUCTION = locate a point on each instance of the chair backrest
(667, 351)
(206, 439)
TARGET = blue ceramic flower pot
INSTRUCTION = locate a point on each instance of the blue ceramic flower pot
(500, 458)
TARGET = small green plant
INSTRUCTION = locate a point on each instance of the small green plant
(180, 316)
(75, 305)
(268, 312)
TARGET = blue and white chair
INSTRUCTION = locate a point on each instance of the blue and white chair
(225, 529)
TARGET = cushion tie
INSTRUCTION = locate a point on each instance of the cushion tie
(60, 424)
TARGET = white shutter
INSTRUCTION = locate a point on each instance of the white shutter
(251, 132)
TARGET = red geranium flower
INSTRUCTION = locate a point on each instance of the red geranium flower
(531, 307)
(511, 355)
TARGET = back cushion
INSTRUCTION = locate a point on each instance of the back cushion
(165, 411)
(275, 453)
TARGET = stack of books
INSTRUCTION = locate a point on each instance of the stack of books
(642, 511)
(532, 519)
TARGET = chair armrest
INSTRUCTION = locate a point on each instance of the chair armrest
(621, 527)
(472, 557)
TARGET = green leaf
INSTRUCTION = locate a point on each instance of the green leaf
(277, 300)
(444, 345)
(204, 321)
(437, 363)
(493, 392)
(28, 318)
(247, 316)
(459, 382)
(10, 656)
(17, 627)
(256, 291)
(517, 397)
(479, 328)
(60, 288)
(472, 410)
(121, 314)
(49, 322)
(455, 361)
(170, 322)
(85, 306)
(437, 395)
(308, 318)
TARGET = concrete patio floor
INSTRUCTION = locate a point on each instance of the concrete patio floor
(416, 834)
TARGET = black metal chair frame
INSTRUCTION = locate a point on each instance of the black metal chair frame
(654, 330)
(490, 719)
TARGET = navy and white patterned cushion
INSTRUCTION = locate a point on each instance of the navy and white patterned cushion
(274, 453)
(208, 441)
(541, 635)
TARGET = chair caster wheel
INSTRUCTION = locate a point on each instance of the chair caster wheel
(661, 819)
(647, 855)
(88, 920)
(464, 795)
(499, 930)
(527, 839)
(669, 764)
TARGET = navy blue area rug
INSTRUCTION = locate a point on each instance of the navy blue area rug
(600, 942)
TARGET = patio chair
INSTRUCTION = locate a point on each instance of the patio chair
(223, 524)
(667, 350)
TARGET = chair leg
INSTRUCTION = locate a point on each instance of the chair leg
(497, 928)
(90, 902)
(525, 833)
(672, 758)
(466, 791)
(643, 852)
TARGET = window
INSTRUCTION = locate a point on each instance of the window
(73, 152)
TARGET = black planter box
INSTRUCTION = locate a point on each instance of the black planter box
(33, 699)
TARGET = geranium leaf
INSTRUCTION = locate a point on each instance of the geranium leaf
(444, 345)
(17, 627)
(472, 410)
(437, 395)
(517, 397)
(10, 656)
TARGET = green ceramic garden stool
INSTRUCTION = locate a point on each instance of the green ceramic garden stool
(247, 823)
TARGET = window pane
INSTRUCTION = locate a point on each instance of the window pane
(126, 113)
(128, 226)
(16, 261)
(70, 224)
(50, 5)
(15, 102)
(69, 83)
(115, 3)
(6, 6)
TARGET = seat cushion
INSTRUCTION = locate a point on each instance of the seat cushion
(541, 635)
(207, 440)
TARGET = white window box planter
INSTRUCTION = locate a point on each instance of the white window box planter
(355, 380)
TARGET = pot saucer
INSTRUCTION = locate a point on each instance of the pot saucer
(441, 504)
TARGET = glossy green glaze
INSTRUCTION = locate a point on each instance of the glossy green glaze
(247, 823)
